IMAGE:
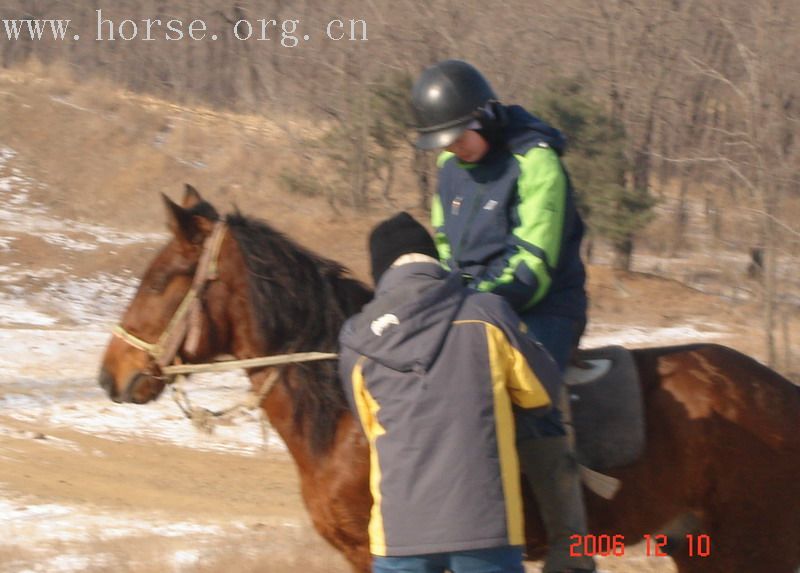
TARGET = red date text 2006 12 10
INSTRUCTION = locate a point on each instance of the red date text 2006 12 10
(655, 545)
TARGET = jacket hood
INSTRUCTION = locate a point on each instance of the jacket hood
(405, 325)
(524, 131)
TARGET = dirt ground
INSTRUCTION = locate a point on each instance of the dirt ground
(253, 504)
(150, 481)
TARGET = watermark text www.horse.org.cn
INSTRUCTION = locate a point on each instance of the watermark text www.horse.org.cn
(287, 33)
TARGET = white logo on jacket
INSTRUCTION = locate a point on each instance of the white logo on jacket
(382, 323)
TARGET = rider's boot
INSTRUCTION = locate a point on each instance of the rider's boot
(553, 475)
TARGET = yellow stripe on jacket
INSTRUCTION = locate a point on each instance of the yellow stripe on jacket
(512, 381)
(368, 412)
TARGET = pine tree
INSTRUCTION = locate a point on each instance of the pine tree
(597, 164)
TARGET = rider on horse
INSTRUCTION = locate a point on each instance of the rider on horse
(505, 218)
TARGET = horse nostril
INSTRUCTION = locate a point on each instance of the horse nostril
(141, 388)
(106, 381)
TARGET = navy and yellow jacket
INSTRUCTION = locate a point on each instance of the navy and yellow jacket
(431, 369)
(509, 221)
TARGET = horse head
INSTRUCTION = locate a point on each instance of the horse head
(171, 306)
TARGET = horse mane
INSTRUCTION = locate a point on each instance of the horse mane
(300, 301)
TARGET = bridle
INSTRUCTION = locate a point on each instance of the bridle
(184, 327)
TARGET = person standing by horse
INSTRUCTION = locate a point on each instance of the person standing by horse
(431, 369)
(505, 217)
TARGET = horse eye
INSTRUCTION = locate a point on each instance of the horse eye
(159, 283)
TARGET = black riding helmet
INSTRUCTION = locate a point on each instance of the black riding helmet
(445, 100)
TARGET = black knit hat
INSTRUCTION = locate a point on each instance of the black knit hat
(395, 237)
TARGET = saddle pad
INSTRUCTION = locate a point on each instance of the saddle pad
(607, 408)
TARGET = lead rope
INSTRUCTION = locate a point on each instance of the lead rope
(207, 420)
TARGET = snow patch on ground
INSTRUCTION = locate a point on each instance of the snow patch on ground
(68, 243)
(640, 336)
(96, 301)
(19, 214)
(14, 273)
(6, 153)
(66, 563)
(60, 538)
(186, 557)
(52, 537)
(50, 377)
(64, 101)
(91, 301)
(36, 356)
(15, 311)
(55, 522)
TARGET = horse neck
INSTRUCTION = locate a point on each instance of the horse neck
(279, 408)
(246, 341)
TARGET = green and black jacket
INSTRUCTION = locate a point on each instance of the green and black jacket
(510, 223)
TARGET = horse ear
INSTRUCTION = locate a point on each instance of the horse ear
(191, 196)
(177, 216)
(186, 226)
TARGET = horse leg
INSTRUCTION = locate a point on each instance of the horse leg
(334, 485)
(341, 518)
(360, 560)
(345, 532)
(752, 506)
(338, 498)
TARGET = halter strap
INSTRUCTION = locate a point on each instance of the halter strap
(181, 326)
(134, 341)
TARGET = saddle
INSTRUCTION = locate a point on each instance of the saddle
(604, 406)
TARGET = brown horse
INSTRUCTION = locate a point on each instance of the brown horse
(723, 432)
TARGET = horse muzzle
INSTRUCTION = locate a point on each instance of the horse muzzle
(140, 387)
(106, 381)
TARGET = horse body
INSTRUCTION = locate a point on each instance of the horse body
(720, 450)
(722, 456)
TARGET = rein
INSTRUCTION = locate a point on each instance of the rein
(184, 328)
(203, 418)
